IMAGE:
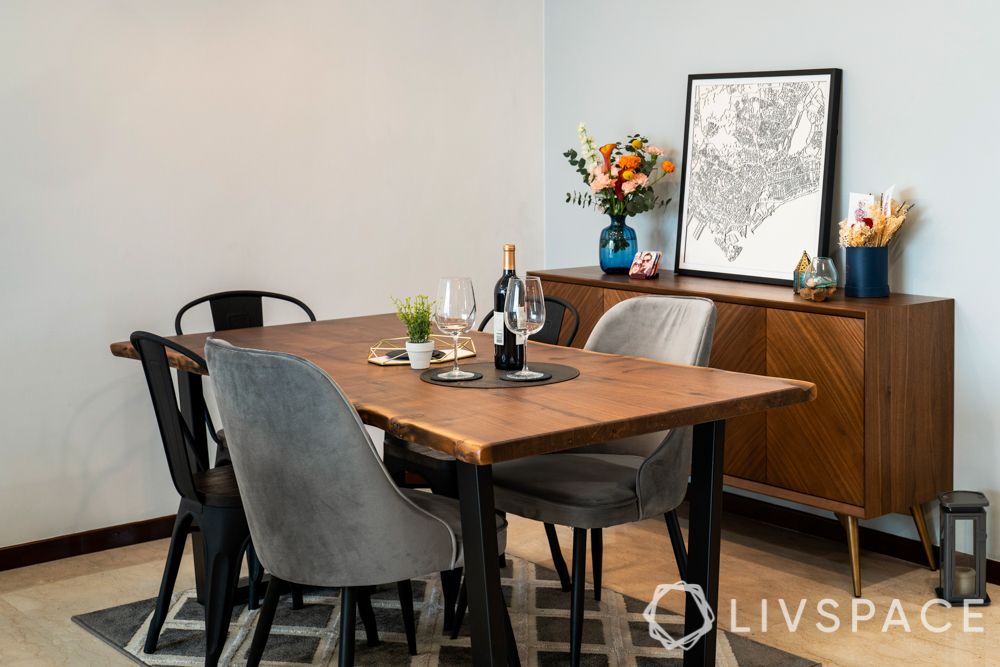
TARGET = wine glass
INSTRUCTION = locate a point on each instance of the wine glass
(524, 314)
(455, 314)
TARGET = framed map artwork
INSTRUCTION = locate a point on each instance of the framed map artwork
(757, 182)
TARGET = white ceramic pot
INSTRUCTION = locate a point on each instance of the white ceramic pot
(420, 354)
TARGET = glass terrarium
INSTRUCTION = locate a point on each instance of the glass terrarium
(820, 280)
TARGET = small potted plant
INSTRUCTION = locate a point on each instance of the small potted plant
(415, 313)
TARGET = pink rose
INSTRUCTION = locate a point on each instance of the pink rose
(653, 150)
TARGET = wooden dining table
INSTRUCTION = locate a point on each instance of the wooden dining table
(613, 397)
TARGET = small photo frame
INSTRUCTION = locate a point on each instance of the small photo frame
(645, 265)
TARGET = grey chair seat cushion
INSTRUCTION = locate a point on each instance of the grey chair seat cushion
(570, 489)
(447, 509)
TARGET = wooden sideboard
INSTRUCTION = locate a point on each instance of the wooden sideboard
(878, 437)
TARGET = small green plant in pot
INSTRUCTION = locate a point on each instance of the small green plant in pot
(415, 313)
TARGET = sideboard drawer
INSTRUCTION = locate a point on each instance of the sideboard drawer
(818, 448)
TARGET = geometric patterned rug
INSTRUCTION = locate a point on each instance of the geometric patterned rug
(614, 631)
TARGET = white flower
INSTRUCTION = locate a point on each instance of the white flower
(589, 147)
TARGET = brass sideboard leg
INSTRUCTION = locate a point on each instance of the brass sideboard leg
(850, 524)
(925, 538)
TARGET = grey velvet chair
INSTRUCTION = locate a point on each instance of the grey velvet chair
(322, 509)
(613, 483)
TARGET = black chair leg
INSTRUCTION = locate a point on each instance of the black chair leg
(502, 558)
(576, 603)
(677, 542)
(225, 535)
(557, 558)
(347, 607)
(405, 589)
(364, 597)
(513, 659)
(451, 581)
(264, 621)
(460, 608)
(596, 558)
(175, 552)
(297, 602)
(255, 577)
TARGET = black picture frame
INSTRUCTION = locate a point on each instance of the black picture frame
(822, 245)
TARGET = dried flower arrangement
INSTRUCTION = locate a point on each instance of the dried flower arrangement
(881, 221)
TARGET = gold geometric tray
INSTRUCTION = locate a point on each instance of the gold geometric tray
(387, 352)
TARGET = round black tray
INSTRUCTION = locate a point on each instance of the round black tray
(492, 376)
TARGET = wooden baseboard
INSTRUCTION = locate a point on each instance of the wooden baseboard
(64, 546)
(887, 544)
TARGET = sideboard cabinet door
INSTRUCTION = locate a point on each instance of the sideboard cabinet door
(740, 345)
(818, 448)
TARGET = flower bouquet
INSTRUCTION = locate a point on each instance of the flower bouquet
(620, 178)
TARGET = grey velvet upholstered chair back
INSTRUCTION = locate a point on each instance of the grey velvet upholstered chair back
(321, 507)
(674, 329)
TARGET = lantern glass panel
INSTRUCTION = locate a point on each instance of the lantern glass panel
(965, 556)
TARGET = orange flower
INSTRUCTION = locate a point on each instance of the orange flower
(628, 174)
(606, 151)
(629, 161)
(668, 167)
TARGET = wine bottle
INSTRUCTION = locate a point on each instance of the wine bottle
(508, 347)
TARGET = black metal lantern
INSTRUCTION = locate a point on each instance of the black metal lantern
(963, 577)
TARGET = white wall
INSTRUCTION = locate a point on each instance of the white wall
(154, 152)
(919, 110)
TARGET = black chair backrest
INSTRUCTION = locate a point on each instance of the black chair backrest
(556, 310)
(178, 442)
(239, 309)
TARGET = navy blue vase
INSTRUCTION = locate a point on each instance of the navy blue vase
(618, 246)
(867, 272)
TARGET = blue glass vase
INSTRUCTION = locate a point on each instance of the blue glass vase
(618, 246)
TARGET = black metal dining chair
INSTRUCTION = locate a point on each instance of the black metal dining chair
(556, 313)
(235, 309)
(238, 309)
(210, 503)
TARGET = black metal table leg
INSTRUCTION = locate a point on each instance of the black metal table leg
(704, 532)
(482, 574)
(190, 394)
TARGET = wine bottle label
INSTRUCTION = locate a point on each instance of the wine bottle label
(498, 329)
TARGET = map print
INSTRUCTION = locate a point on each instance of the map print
(755, 146)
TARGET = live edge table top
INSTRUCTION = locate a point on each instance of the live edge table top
(614, 396)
